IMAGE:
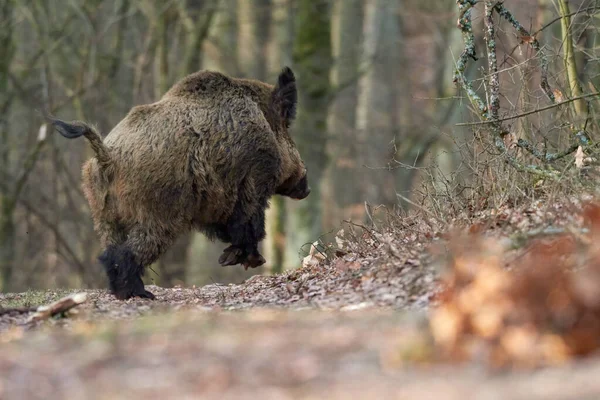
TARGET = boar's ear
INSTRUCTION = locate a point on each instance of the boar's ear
(285, 96)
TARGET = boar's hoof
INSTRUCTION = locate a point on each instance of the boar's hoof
(235, 255)
(137, 290)
(124, 295)
(254, 260)
(231, 255)
(146, 295)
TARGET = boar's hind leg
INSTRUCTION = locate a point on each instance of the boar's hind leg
(124, 263)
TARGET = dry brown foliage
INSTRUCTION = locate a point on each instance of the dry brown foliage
(541, 308)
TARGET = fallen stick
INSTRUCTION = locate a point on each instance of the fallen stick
(58, 307)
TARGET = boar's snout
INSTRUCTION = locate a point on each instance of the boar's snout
(301, 190)
(297, 192)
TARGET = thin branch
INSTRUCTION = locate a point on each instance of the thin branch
(535, 44)
(58, 307)
(581, 11)
(489, 114)
(469, 52)
(59, 237)
(537, 110)
(545, 157)
(494, 80)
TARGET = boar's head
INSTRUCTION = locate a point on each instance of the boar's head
(284, 99)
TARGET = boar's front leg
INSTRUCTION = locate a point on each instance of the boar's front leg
(245, 235)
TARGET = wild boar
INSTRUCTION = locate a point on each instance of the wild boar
(207, 156)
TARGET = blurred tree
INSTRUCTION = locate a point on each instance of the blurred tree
(254, 25)
(221, 46)
(197, 18)
(7, 201)
(312, 63)
(376, 104)
(345, 200)
(283, 29)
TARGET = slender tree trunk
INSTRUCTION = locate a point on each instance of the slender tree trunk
(162, 55)
(312, 63)
(345, 200)
(376, 104)
(579, 106)
(254, 26)
(283, 27)
(197, 16)
(7, 244)
(221, 46)
(7, 228)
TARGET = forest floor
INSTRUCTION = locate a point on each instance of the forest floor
(352, 322)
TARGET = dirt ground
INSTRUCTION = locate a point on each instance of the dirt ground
(258, 354)
(348, 324)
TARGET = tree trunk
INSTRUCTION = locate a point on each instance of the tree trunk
(162, 55)
(345, 200)
(7, 227)
(283, 27)
(376, 104)
(7, 245)
(254, 26)
(312, 63)
(221, 46)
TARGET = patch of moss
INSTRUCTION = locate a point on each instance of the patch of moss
(32, 298)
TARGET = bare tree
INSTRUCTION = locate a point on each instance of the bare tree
(283, 31)
(312, 63)
(344, 200)
(376, 105)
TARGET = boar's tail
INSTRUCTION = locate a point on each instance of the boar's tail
(76, 129)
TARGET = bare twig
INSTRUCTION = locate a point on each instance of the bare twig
(425, 210)
(365, 228)
(494, 80)
(469, 52)
(535, 44)
(61, 239)
(537, 110)
(520, 239)
(58, 307)
(587, 10)
(543, 156)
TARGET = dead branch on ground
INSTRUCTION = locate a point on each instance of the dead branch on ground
(58, 307)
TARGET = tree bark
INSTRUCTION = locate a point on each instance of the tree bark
(7, 228)
(312, 63)
(221, 46)
(283, 28)
(376, 104)
(254, 26)
(345, 198)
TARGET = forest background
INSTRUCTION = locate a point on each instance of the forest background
(377, 123)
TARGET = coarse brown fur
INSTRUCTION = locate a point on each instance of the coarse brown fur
(207, 156)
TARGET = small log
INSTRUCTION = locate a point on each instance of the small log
(58, 307)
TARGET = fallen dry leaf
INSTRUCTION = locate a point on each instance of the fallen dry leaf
(579, 157)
